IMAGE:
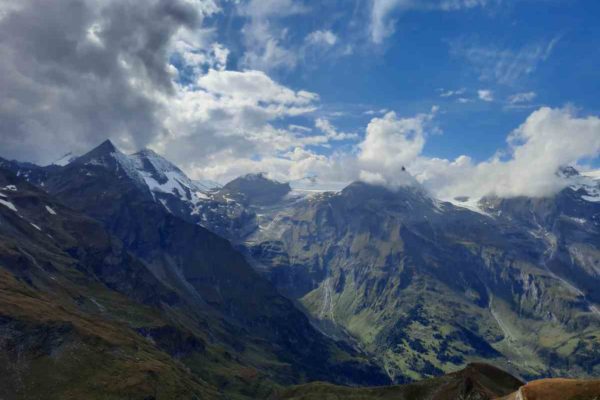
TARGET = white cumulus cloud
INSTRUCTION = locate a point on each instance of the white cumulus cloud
(322, 38)
(548, 139)
(391, 143)
(519, 98)
(485, 95)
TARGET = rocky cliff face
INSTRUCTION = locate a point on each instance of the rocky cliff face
(429, 286)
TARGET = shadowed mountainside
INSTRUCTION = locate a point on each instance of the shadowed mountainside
(167, 308)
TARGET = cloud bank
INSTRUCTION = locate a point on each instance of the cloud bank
(75, 72)
(153, 74)
(548, 139)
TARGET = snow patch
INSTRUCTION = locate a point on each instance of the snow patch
(580, 221)
(589, 182)
(594, 199)
(469, 203)
(8, 204)
(97, 304)
(228, 199)
(202, 196)
(65, 160)
(128, 166)
(164, 204)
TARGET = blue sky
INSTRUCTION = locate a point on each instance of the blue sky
(474, 97)
(549, 48)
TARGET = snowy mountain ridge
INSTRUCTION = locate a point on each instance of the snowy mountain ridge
(148, 169)
(162, 176)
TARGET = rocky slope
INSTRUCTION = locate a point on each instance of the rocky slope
(165, 303)
(422, 285)
(429, 286)
(79, 316)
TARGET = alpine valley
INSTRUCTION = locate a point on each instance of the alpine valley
(121, 277)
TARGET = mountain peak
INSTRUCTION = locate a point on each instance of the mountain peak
(360, 192)
(107, 146)
(567, 171)
(146, 152)
(151, 162)
(255, 179)
(257, 188)
(108, 156)
(98, 153)
(255, 176)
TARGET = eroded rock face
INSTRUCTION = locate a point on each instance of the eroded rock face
(429, 286)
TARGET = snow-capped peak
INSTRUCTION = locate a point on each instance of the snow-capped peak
(162, 176)
(588, 182)
(98, 154)
(567, 172)
(147, 169)
(107, 155)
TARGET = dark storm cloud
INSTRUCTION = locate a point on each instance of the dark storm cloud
(73, 72)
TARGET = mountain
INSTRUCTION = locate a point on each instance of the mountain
(428, 286)
(255, 189)
(180, 290)
(162, 176)
(77, 310)
(424, 287)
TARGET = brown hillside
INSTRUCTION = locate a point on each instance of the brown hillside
(558, 389)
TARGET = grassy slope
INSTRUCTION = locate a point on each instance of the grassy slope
(54, 351)
(545, 323)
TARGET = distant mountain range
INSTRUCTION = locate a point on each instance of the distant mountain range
(236, 291)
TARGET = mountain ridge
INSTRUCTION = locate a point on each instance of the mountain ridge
(362, 262)
(232, 343)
